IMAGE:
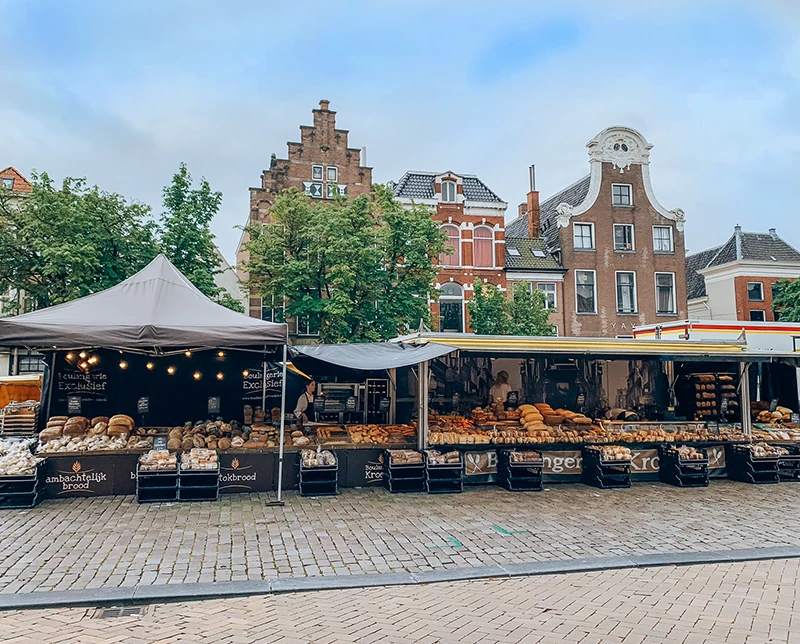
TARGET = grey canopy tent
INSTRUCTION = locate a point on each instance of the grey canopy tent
(370, 356)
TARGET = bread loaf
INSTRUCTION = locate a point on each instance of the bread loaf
(174, 443)
(99, 419)
(122, 419)
(224, 443)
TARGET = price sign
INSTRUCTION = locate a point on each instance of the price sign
(143, 405)
(795, 418)
(384, 405)
(350, 405)
(73, 404)
(773, 405)
(214, 403)
(159, 442)
(724, 407)
(513, 398)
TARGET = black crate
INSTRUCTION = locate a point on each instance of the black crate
(519, 476)
(444, 486)
(682, 473)
(198, 493)
(157, 495)
(319, 480)
(605, 474)
(400, 486)
(318, 488)
(743, 467)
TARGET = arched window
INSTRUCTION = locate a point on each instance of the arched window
(449, 191)
(453, 234)
(483, 247)
(451, 307)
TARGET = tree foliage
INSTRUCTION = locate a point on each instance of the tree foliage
(58, 244)
(492, 313)
(786, 300)
(358, 269)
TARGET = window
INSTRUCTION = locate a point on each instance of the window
(621, 195)
(483, 247)
(755, 292)
(308, 325)
(662, 239)
(332, 173)
(513, 252)
(758, 316)
(665, 293)
(453, 234)
(626, 292)
(316, 173)
(8, 183)
(30, 363)
(585, 292)
(555, 330)
(332, 190)
(583, 236)
(271, 310)
(451, 307)
(449, 191)
(549, 290)
(623, 237)
(313, 189)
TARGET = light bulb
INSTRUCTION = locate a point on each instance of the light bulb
(70, 356)
(220, 376)
(187, 353)
(221, 354)
(246, 373)
(123, 364)
(93, 360)
(82, 355)
(170, 370)
(197, 375)
(84, 365)
(150, 366)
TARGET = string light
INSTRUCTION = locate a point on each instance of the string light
(170, 370)
(197, 375)
(93, 360)
(84, 365)
(246, 373)
(220, 376)
(82, 355)
(150, 366)
(70, 356)
(221, 354)
(123, 364)
(187, 353)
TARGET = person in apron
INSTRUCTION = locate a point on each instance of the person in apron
(305, 404)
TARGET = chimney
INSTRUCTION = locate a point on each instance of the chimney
(522, 209)
(324, 104)
(737, 228)
(534, 223)
(364, 157)
(773, 233)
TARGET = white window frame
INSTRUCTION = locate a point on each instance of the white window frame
(459, 249)
(674, 294)
(7, 183)
(308, 333)
(555, 330)
(635, 294)
(763, 313)
(555, 295)
(335, 173)
(761, 284)
(321, 169)
(671, 250)
(594, 288)
(632, 249)
(630, 195)
(455, 191)
(491, 240)
(591, 233)
(452, 299)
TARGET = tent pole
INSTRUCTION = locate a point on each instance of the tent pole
(744, 398)
(283, 428)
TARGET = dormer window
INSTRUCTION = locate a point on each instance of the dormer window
(448, 191)
(8, 183)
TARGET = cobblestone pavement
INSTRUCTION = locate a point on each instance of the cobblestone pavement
(113, 541)
(738, 603)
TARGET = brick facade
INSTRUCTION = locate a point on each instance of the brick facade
(744, 306)
(12, 179)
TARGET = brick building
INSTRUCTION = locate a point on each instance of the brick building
(13, 180)
(321, 164)
(473, 219)
(735, 281)
(622, 253)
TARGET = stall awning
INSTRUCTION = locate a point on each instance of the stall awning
(597, 347)
(156, 307)
(372, 356)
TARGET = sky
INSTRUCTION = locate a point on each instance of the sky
(122, 92)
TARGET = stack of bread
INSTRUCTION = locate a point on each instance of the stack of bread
(157, 460)
(405, 457)
(531, 418)
(438, 458)
(199, 458)
(314, 458)
(79, 434)
(612, 452)
(762, 450)
(520, 456)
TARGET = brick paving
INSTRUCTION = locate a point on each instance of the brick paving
(739, 603)
(109, 542)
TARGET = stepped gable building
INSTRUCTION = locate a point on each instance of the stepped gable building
(472, 217)
(622, 253)
(735, 281)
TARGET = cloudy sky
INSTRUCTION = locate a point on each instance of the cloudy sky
(121, 92)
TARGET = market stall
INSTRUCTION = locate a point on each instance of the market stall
(152, 366)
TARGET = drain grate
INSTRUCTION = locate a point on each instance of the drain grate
(112, 612)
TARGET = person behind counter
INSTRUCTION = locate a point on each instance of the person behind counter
(500, 390)
(305, 403)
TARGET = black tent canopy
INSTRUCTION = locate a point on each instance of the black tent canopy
(156, 307)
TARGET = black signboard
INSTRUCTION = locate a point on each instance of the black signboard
(795, 418)
(350, 405)
(385, 405)
(773, 405)
(160, 442)
(214, 405)
(73, 404)
(243, 472)
(95, 475)
(143, 405)
(513, 398)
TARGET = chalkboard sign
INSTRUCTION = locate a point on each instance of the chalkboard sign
(350, 405)
(513, 398)
(160, 442)
(214, 404)
(773, 405)
(795, 418)
(143, 405)
(385, 405)
(724, 407)
(73, 404)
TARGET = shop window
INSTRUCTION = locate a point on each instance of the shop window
(621, 195)
(626, 292)
(451, 307)
(623, 237)
(755, 292)
(308, 325)
(332, 173)
(662, 239)
(665, 293)
(758, 316)
(8, 183)
(453, 234)
(30, 363)
(316, 173)
(583, 236)
(449, 191)
(549, 290)
(483, 247)
(585, 292)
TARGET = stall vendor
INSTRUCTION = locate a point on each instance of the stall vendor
(305, 403)
(500, 390)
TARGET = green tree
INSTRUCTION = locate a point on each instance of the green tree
(786, 300)
(58, 244)
(492, 313)
(357, 269)
(186, 237)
